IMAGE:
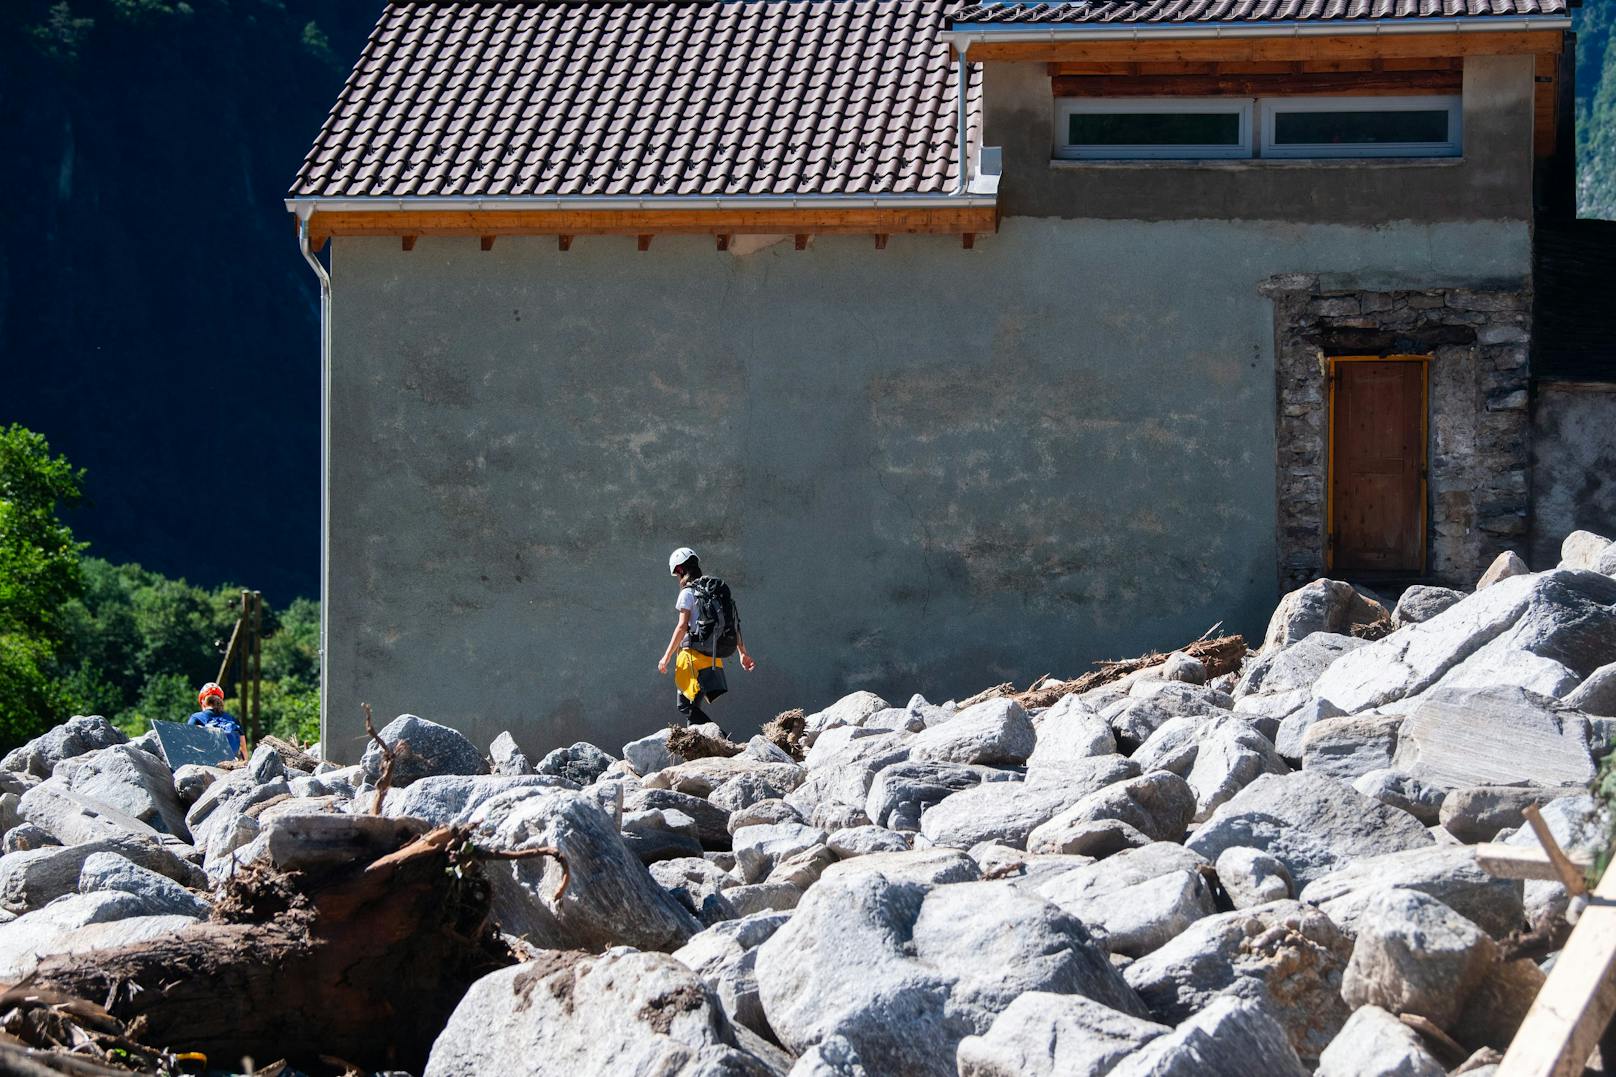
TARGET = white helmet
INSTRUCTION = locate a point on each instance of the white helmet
(679, 557)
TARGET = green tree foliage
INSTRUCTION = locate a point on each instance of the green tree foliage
(79, 635)
(1595, 23)
(39, 575)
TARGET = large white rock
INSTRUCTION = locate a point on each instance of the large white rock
(1071, 730)
(430, 749)
(1047, 1035)
(1287, 955)
(1583, 549)
(73, 819)
(1494, 736)
(1448, 873)
(1159, 805)
(569, 1014)
(995, 732)
(1007, 812)
(1374, 1043)
(1565, 617)
(1297, 666)
(31, 878)
(901, 793)
(1232, 1037)
(1321, 606)
(1138, 899)
(903, 972)
(759, 848)
(849, 710)
(611, 898)
(79, 734)
(1310, 822)
(1415, 955)
(128, 779)
(1229, 755)
(1351, 746)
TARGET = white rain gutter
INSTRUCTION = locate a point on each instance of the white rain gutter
(325, 462)
(305, 206)
(963, 35)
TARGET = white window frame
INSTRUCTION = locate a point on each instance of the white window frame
(1069, 106)
(1269, 109)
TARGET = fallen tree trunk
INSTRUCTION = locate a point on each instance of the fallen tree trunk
(364, 967)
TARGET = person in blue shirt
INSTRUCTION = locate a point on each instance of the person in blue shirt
(213, 714)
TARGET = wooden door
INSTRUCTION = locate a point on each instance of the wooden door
(1377, 466)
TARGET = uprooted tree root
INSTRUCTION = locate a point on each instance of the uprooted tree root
(785, 732)
(1221, 655)
(689, 744)
(362, 963)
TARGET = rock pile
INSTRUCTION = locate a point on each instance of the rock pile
(1265, 872)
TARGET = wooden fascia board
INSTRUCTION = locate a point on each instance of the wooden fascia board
(953, 220)
(1288, 47)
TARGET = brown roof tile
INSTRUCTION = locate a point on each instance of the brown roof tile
(645, 97)
(1178, 12)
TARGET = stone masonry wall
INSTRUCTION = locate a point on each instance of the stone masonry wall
(1479, 423)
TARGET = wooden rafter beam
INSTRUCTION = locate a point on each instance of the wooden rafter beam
(1365, 84)
(1250, 49)
(948, 220)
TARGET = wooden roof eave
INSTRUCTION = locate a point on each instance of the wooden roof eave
(969, 217)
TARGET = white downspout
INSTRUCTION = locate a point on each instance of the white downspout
(325, 470)
(962, 83)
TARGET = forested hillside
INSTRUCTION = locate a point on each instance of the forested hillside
(156, 322)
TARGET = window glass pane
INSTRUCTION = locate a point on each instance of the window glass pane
(1154, 129)
(1360, 128)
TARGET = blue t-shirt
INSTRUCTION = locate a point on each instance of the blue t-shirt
(225, 722)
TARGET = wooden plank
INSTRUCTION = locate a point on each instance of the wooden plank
(564, 242)
(1576, 1002)
(1521, 861)
(1334, 47)
(950, 220)
(487, 242)
(409, 242)
(643, 242)
(1359, 85)
(1262, 67)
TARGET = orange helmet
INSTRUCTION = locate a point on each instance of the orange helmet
(209, 689)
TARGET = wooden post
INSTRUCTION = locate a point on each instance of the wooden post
(257, 657)
(1576, 1002)
(245, 651)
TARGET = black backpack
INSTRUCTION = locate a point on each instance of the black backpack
(715, 627)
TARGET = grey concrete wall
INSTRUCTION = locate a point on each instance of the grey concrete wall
(924, 469)
(1573, 466)
(1491, 181)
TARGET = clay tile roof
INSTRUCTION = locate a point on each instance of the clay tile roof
(1010, 13)
(645, 97)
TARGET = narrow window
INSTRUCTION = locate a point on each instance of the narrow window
(1122, 128)
(1360, 127)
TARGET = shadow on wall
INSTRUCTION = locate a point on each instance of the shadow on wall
(1573, 464)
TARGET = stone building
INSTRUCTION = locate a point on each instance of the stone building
(968, 344)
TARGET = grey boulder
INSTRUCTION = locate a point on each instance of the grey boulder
(1503, 566)
(1415, 955)
(997, 731)
(1583, 549)
(1495, 736)
(579, 764)
(698, 885)
(904, 973)
(1286, 955)
(431, 749)
(79, 734)
(924, 867)
(1351, 746)
(1158, 805)
(1404, 791)
(128, 779)
(566, 1014)
(1071, 730)
(725, 957)
(1448, 874)
(611, 898)
(508, 759)
(1374, 1043)
(1294, 667)
(159, 896)
(1596, 694)
(1251, 877)
(1042, 1034)
(1232, 1037)
(1321, 606)
(759, 848)
(1478, 813)
(1310, 822)
(441, 799)
(32, 878)
(1421, 602)
(1138, 899)
(902, 792)
(1007, 812)
(73, 819)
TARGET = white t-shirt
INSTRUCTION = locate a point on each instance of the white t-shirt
(686, 601)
